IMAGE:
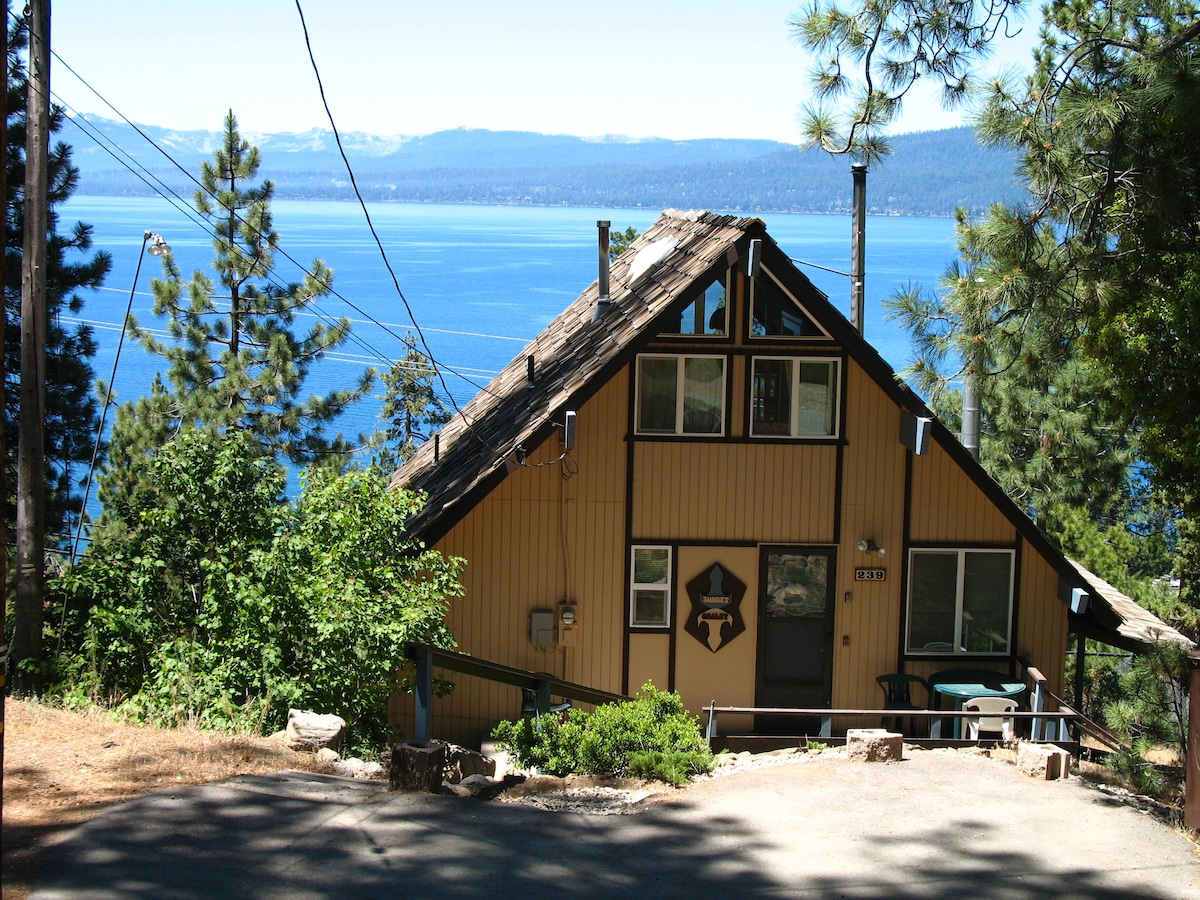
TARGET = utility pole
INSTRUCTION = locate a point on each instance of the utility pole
(31, 475)
(3, 378)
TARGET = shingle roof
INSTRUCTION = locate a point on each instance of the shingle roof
(512, 415)
(1136, 625)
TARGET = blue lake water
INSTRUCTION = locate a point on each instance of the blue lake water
(481, 280)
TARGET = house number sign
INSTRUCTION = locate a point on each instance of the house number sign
(870, 574)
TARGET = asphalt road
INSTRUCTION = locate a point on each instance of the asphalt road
(935, 825)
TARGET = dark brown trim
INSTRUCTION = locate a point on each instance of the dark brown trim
(905, 543)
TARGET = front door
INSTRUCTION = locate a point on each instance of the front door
(795, 635)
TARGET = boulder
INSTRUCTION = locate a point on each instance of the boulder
(462, 763)
(874, 745)
(311, 731)
(327, 755)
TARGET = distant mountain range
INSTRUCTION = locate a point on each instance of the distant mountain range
(930, 173)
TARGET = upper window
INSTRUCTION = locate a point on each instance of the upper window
(960, 601)
(776, 314)
(793, 397)
(680, 394)
(706, 314)
(650, 587)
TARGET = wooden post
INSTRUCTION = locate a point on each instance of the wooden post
(423, 727)
(1191, 791)
(26, 652)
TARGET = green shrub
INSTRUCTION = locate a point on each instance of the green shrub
(651, 736)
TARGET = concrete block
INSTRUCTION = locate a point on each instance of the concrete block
(1042, 761)
(874, 745)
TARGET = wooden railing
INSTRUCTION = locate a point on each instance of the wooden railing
(545, 686)
(1065, 714)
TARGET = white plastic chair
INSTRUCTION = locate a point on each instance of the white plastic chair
(994, 723)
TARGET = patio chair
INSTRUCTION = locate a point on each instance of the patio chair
(529, 705)
(1003, 725)
(897, 694)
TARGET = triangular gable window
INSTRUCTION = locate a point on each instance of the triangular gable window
(776, 314)
(706, 315)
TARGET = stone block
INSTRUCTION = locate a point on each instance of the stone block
(1042, 761)
(874, 745)
(417, 766)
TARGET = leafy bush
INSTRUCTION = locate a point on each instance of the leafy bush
(212, 601)
(651, 736)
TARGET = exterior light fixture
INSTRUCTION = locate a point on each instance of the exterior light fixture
(869, 546)
(158, 246)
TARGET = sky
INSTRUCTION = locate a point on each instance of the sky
(676, 69)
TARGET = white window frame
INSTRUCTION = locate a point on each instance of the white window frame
(680, 394)
(955, 649)
(664, 587)
(835, 365)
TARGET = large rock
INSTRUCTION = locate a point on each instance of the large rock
(462, 763)
(874, 745)
(311, 731)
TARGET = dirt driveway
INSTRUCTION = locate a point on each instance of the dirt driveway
(935, 825)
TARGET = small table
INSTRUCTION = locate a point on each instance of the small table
(970, 687)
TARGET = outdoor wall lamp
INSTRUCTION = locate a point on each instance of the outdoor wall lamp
(869, 546)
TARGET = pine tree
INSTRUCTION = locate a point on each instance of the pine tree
(411, 409)
(71, 407)
(234, 359)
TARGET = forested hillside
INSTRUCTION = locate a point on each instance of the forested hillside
(930, 173)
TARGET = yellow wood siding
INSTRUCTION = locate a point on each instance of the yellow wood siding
(649, 660)
(535, 540)
(872, 508)
(773, 493)
(947, 506)
(729, 674)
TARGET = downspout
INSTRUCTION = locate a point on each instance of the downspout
(602, 301)
(858, 245)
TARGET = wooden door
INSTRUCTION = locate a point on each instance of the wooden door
(795, 635)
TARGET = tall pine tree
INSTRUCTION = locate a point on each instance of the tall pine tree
(234, 359)
(71, 407)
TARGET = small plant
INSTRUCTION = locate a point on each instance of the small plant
(814, 746)
(652, 736)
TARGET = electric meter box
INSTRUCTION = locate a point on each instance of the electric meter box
(541, 627)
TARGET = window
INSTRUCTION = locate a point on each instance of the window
(650, 588)
(776, 314)
(706, 314)
(680, 395)
(960, 601)
(794, 397)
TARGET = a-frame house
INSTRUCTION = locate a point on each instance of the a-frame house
(710, 480)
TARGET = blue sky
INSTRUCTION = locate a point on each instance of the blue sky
(656, 68)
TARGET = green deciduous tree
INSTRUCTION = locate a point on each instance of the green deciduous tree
(222, 604)
(234, 358)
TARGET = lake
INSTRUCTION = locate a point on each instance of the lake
(482, 281)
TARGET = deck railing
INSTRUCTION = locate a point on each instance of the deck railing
(544, 685)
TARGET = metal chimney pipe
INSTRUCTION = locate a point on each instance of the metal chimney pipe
(602, 300)
(971, 414)
(858, 246)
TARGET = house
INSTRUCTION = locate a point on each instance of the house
(707, 478)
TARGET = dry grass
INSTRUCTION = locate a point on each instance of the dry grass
(61, 768)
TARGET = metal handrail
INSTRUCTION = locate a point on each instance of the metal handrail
(543, 684)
